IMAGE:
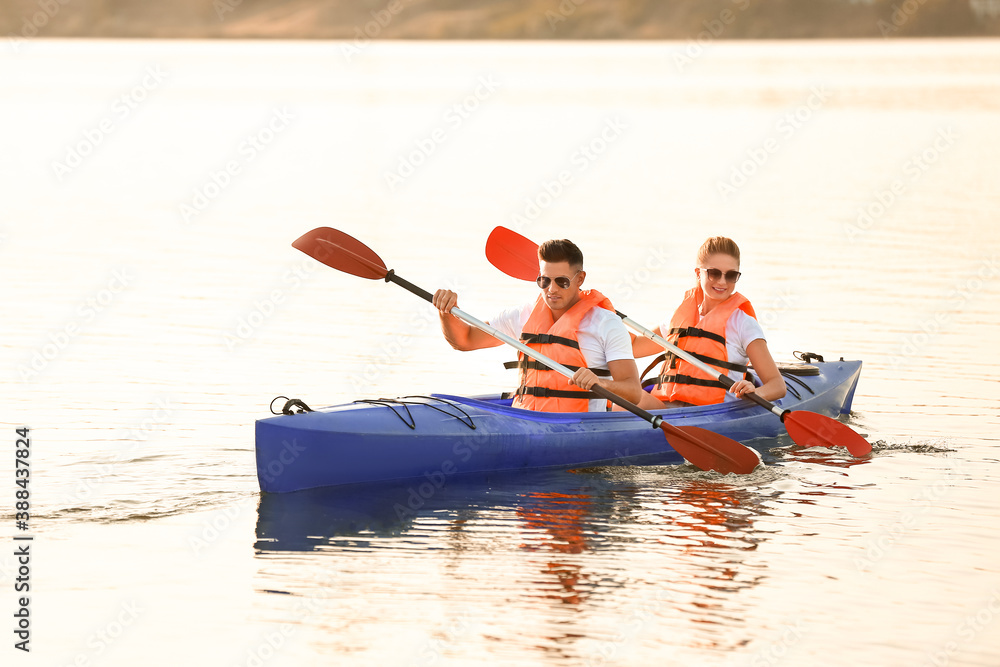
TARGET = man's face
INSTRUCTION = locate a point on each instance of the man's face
(559, 298)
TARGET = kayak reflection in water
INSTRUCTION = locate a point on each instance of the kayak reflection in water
(717, 324)
(577, 328)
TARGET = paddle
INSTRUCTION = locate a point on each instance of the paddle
(517, 256)
(702, 448)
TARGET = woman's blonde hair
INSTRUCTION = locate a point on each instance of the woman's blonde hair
(717, 245)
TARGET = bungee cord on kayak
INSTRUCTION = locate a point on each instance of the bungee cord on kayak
(390, 403)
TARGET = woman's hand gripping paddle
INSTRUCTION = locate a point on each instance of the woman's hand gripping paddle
(517, 256)
(702, 448)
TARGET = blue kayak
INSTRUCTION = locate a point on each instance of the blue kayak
(434, 438)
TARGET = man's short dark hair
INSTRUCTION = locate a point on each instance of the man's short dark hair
(561, 250)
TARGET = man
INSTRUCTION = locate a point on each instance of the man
(576, 327)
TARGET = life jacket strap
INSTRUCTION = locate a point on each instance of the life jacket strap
(712, 361)
(545, 392)
(538, 366)
(687, 379)
(698, 333)
(548, 339)
(656, 362)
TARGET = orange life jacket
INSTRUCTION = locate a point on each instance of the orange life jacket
(542, 388)
(682, 381)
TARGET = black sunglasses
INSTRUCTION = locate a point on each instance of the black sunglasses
(715, 274)
(562, 282)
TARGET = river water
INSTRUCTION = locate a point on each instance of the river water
(154, 307)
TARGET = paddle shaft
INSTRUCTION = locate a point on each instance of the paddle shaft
(701, 365)
(655, 420)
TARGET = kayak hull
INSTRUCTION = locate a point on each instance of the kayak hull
(437, 437)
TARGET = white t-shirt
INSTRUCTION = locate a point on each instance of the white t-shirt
(601, 335)
(741, 330)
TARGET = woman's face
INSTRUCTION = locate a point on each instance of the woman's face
(718, 289)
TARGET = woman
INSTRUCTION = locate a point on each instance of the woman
(717, 324)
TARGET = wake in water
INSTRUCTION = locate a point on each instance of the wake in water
(935, 447)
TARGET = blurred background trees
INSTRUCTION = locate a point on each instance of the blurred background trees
(500, 19)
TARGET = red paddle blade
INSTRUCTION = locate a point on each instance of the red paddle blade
(513, 254)
(342, 252)
(711, 451)
(810, 429)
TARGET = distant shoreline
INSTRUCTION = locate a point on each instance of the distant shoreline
(505, 20)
